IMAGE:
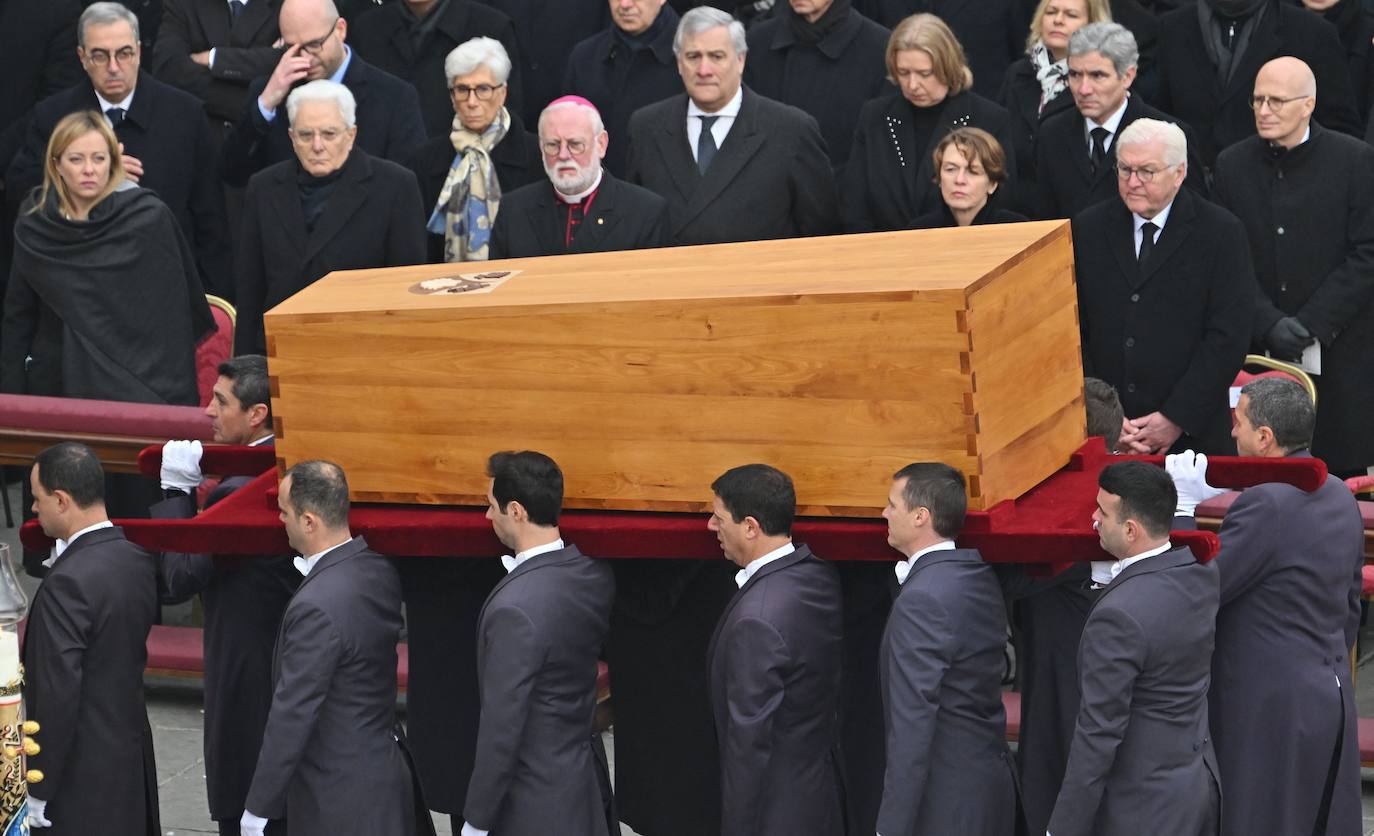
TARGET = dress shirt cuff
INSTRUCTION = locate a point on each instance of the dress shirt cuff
(212, 57)
(250, 821)
(469, 830)
(269, 115)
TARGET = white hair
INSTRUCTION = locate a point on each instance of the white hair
(598, 127)
(103, 14)
(1171, 136)
(323, 90)
(704, 18)
(478, 52)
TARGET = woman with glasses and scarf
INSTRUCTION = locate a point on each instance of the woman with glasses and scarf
(487, 153)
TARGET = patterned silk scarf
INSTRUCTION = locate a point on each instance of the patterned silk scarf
(1052, 75)
(471, 195)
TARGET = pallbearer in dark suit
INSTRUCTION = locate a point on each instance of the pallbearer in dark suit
(84, 652)
(332, 754)
(1282, 700)
(583, 208)
(774, 666)
(244, 597)
(1076, 154)
(948, 766)
(1165, 296)
(334, 207)
(540, 767)
(1141, 759)
(733, 165)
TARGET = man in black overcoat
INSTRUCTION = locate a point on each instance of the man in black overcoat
(84, 653)
(388, 109)
(948, 767)
(547, 31)
(244, 596)
(774, 666)
(1282, 701)
(1165, 297)
(411, 38)
(733, 165)
(823, 57)
(334, 208)
(1076, 153)
(334, 681)
(1142, 759)
(214, 55)
(626, 66)
(167, 142)
(540, 766)
(1306, 197)
(582, 208)
(1209, 53)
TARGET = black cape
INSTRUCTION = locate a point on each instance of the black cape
(108, 308)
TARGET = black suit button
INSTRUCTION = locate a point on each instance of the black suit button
(1130, 387)
(1130, 342)
(1135, 297)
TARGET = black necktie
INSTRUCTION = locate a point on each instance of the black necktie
(235, 10)
(115, 115)
(706, 144)
(1147, 242)
(1099, 152)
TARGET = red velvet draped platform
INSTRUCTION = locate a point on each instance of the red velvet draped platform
(1051, 524)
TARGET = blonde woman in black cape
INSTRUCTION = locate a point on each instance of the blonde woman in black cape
(104, 300)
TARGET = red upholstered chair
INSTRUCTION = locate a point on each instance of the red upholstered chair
(1361, 486)
(215, 348)
(1257, 366)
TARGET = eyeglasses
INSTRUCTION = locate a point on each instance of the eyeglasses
(1275, 103)
(1145, 174)
(101, 57)
(575, 146)
(316, 46)
(306, 136)
(462, 92)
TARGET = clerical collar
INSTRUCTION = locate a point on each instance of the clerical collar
(742, 576)
(582, 195)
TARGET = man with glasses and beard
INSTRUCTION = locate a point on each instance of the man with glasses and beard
(588, 210)
(388, 108)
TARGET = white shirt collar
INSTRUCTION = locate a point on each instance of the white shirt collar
(106, 104)
(511, 563)
(731, 108)
(742, 576)
(63, 545)
(1119, 566)
(1158, 220)
(903, 567)
(1113, 123)
(270, 438)
(305, 564)
(580, 196)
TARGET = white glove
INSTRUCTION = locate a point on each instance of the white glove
(251, 825)
(37, 808)
(1189, 472)
(181, 465)
(469, 830)
(1102, 571)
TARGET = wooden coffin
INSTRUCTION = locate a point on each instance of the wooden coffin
(646, 374)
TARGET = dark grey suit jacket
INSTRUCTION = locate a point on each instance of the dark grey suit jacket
(1290, 609)
(948, 767)
(244, 600)
(771, 177)
(774, 667)
(538, 639)
(330, 756)
(84, 652)
(1142, 751)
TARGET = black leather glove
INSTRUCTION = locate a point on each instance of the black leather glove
(1288, 338)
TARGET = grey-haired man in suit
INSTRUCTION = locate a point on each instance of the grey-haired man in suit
(774, 666)
(539, 768)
